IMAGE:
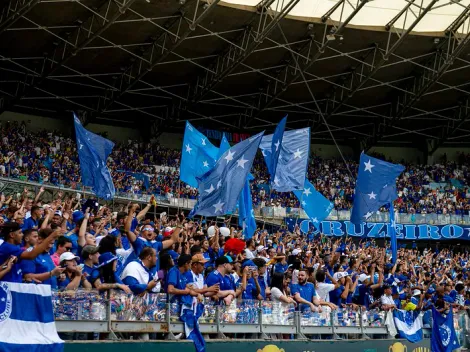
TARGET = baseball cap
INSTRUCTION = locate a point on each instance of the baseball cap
(222, 260)
(247, 263)
(68, 256)
(89, 250)
(168, 231)
(9, 228)
(58, 212)
(363, 277)
(77, 216)
(114, 232)
(260, 248)
(107, 258)
(416, 292)
(430, 291)
(296, 251)
(339, 275)
(199, 258)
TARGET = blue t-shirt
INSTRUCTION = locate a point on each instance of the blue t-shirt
(91, 274)
(306, 291)
(6, 251)
(335, 296)
(250, 290)
(216, 278)
(41, 264)
(179, 281)
(30, 223)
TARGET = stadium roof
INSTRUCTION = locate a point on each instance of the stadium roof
(366, 72)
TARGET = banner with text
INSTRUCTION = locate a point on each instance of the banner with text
(381, 230)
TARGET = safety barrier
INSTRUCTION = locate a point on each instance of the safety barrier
(117, 312)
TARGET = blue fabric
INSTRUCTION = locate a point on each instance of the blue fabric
(41, 264)
(134, 285)
(178, 281)
(246, 214)
(276, 148)
(30, 223)
(292, 161)
(13, 347)
(190, 320)
(198, 155)
(306, 291)
(316, 206)
(21, 300)
(393, 233)
(443, 337)
(408, 324)
(93, 152)
(375, 187)
(220, 188)
(16, 272)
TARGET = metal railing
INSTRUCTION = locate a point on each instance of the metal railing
(89, 311)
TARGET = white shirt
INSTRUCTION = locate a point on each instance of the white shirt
(323, 290)
(387, 300)
(249, 254)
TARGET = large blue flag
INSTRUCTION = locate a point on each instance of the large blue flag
(375, 187)
(293, 159)
(246, 214)
(314, 203)
(197, 156)
(220, 188)
(443, 337)
(26, 319)
(93, 152)
(190, 318)
(276, 147)
(409, 325)
(224, 146)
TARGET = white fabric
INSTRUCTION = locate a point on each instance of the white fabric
(387, 300)
(137, 271)
(40, 290)
(323, 290)
(28, 332)
(249, 254)
(410, 330)
(198, 280)
(390, 323)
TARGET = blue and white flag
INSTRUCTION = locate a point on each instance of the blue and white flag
(293, 159)
(224, 146)
(190, 319)
(409, 325)
(314, 203)
(246, 213)
(26, 319)
(443, 337)
(93, 152)
(197, 156)
(375, 187)
(220, 188)
(276, 148)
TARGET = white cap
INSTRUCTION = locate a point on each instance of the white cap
(224, 231)
(296, 251)
(340, 274)
(416, 292)
(363, 277)
(260, 248)
(68, 256)
(58, 212)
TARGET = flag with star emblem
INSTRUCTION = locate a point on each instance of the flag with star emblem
(443, 337)
(292, 161)
(276, 147)
(315, 205)
(93, 152)
(246, 213)
(220, 188)
(197, 156)
(409, 325)
(375, 187)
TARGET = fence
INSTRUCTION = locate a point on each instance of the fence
(89, 311)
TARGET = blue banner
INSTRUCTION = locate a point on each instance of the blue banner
(381, 230)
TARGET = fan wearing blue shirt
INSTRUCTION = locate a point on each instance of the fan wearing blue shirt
(178, 282)
(33, 221)
(304, 293)
(10, 248)
(223, 269)
(42, 268)
(137, 274)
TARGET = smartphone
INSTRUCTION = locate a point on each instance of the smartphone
(81, 266)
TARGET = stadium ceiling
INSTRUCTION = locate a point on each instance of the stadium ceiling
(360, 71)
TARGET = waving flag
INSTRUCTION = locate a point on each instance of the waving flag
(190, 319)
(292, 161)
(443, 337)
(246, 214)
(314, 203)
(276, 148)
(219, 188)
(224, 146)
(26, 319)
(375, 186)
(197, 156)
(93, 152)
(409, 325)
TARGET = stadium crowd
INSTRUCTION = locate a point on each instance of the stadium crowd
(71, 244)
(50, 158)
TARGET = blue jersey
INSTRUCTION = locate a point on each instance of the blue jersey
(6, 251)
(179, 281)
(41, 264)
(306, 291)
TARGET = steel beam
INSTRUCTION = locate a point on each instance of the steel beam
(290, 77)
(137, 72)
(443, 58)
(13, 11)
(90, 29)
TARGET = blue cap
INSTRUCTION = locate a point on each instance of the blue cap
(107, 258)
(248, 263)
(114, 233)
(430, 291)
(77, 216)
(230, 260)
